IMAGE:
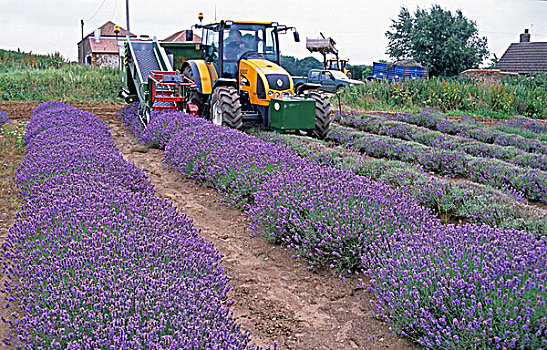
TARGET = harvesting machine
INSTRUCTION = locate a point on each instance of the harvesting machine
(233, 76)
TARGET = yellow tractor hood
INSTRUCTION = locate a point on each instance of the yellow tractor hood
(266, 67)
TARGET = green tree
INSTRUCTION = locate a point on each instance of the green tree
(300, 67)
(446, 43)
(360, 71)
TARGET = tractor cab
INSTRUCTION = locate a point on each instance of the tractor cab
(338, 64)
(226, 42)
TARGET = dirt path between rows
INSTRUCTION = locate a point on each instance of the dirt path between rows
(275, 297)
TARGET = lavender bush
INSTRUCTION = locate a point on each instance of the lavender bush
(524, 127)
(469, 287)
(530, 183)
(97, 260)
(382, 125)
(461, 200)
(3, 118)
(444, 286)
(330, 217)
(226, 159)
(129, 115)
(434, 120)
(163, 125)
(48, 105)
(63, 116)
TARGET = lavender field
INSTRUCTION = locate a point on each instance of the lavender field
(443, 285)
(97, 260)
(444, 226)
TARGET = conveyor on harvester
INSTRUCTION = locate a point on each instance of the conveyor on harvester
(145, 59)
(150, 77)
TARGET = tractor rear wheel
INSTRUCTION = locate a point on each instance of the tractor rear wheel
(194, 96)
(323, 115)
(226, 107)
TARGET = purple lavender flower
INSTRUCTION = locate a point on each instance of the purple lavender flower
(96, 257)
(3, 118)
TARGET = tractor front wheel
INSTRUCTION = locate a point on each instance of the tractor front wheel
(226, 107)
(323, 115)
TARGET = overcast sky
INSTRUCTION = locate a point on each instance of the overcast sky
(358, 27)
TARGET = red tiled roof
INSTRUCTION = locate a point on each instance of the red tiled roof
(106, 45)
(180, 37)
(107, 29)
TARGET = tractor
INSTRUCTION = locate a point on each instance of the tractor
(238, 80)
(339, 64)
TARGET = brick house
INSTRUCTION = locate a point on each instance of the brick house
(100, 47)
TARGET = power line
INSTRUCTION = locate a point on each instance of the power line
(90, 18)
(114, 9)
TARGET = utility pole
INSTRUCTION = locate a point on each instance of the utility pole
(82, 23)
(127, 18)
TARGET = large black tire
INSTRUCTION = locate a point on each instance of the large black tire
(323, 115)
(226, 107)
(194, 96)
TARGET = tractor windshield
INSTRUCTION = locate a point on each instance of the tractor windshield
(241, 38)
(333, 64)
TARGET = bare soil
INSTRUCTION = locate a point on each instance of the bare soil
(275, 297)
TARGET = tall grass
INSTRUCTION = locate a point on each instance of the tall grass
(69, 83)
(512, 96)
(30, 77)
(10, 60)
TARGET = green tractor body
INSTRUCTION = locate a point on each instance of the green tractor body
(292, 113)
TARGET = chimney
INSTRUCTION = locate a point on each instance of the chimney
(98, 35)
(525, 37)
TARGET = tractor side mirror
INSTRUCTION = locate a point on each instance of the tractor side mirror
(189, 35)
(296, 36)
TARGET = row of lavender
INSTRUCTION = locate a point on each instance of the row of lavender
(383, 125)
(462, 200)
(96, 260)
(528, 128)
(527, 183)
(470, 128)
(444, 286)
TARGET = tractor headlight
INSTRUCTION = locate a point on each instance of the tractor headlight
(270, 93)
(276, 94)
